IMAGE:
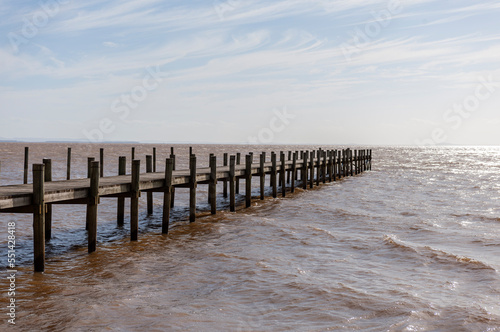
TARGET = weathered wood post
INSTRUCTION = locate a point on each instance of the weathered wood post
(273, 175)
(248, 180)
(370, 158)
(356, 162)
(209, 196)
(48, 207)
(135, 193)
(238, 162)
(224, 182)
(317, 164)
(89, 165)
(90, 160)
(167, 195)
(190, 151)
(262, 175)
(334, 166)
(120, 213)
(68, 165)
(282, 173)
(351, 161)
(232, 165)
(172, 156)
(330, 165)
(39, 217)
(192, 188)
(303, 173)
(323, 166)
(26, 160)
(93, 202)
(154, 160)
(212, 188)
(101, 161)
(311, 170)
(149, 194)
(294, 171)
(301, 178)
(289, 172)
(133, 155)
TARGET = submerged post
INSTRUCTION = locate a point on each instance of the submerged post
(93, 202)
(213, 184)
(192, 188)
(48, 207)
(232, 164)
(149, 194)
(167, 196)
(248, 181)
(120, 214)
(38, 217)
(135, 193)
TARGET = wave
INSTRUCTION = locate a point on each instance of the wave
(437, 254)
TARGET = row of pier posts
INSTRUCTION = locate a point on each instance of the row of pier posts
(318, 166)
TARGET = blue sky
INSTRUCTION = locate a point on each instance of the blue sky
(294, 71)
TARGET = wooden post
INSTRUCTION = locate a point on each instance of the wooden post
(370, 160)
(238, 162)
(190, 151)
(213, 184)
(68, 165)
(324, 167)
(167, 196)
(273, 175)
(280, 184)
(135, 193)
(38, 217)
(192, 188)
(133, 155)
(311, 170)
(154, 160)
(26, 160)
(101, 162)
(294, 171)
(262, 175)
(351, 161)
(232, 164)
(120, 214)
(224, 182)
(89, 165)
(172, 156)
(303, 173)
(48, 207)
(289, 172)
(330, 165)
(209, 196)
(334, 165)
(248, 181)
(282, 174)
(149, 195)
(318, 167)
(93, 201)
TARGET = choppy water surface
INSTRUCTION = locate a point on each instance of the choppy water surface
(410, 246)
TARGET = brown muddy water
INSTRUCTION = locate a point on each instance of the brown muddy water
(410, 246)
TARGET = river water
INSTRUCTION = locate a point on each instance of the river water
(410, 246)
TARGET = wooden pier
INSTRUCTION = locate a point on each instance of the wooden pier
(295, 168)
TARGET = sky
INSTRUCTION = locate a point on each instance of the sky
(412, 72)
